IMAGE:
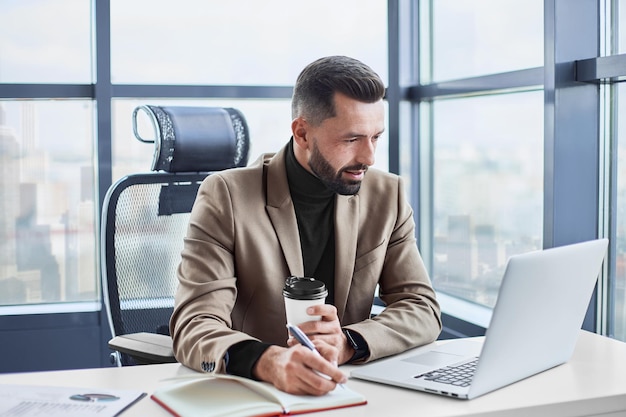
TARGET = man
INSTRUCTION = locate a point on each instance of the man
(313, 209)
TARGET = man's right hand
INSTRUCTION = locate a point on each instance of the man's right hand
(295, 369)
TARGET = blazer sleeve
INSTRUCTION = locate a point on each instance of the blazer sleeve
(200, 325)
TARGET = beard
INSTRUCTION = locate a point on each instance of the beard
(333, 179)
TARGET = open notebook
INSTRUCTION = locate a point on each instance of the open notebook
(215, 395)
(534, 327)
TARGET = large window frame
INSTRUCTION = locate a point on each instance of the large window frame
(75, 336)
(575, 191)
(577, 177)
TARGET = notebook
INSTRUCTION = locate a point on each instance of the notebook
(219, 395)
(535, 323)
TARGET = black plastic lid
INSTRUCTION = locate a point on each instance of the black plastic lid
(304, 288)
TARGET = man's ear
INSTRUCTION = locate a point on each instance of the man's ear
(299, 128)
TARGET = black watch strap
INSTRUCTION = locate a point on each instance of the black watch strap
(357, 343)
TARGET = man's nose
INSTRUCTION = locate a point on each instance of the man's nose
(366, 152)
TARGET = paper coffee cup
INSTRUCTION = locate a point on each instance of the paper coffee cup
(300, 293)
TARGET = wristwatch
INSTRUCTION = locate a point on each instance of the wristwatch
(356, 341)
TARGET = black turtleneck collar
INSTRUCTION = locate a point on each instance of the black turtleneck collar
(303, 185)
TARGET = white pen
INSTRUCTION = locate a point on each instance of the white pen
(303, 339)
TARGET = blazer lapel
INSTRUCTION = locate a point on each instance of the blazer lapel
(280, 210)
(279, 207)
(346, 236)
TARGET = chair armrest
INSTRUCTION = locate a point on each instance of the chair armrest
(145, 348)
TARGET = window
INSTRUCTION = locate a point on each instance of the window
(487, 189)
(41, 43)
(506, 166)
(615, 112)
(474, 38)
(609, 73)
(480, 142)
(48, 222)
(240, 42)
(617, 291)
(244, 54)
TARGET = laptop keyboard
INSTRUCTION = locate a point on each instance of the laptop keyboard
(458, 375)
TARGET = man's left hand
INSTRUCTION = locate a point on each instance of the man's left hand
(327, 329)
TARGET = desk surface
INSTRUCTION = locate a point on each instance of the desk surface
(593, 382)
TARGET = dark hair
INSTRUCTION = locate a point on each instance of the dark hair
(313, 94)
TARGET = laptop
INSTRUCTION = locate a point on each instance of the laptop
(535, 324)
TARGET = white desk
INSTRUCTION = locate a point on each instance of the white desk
(593, 382)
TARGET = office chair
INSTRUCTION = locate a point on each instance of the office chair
(145, 218)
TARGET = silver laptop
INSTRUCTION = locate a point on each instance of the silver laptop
(535, 324)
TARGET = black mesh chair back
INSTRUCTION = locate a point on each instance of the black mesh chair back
(145, 217)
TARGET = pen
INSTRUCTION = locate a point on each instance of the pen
(302, 338)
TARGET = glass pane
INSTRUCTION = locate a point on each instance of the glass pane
(621, 26)
(617, 288)
(487, 189)
(247, 42)
(269, 122)
(47, 227)
(45, 41)
(479, 37)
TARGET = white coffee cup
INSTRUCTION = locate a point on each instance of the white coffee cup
(301, 293)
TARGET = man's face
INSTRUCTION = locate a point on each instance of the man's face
(342, 148)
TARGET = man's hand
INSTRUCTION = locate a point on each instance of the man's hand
(327, 330)
(296, 370)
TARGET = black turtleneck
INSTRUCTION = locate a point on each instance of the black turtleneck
(314, 204)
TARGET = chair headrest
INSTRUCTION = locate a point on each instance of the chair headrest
(196, 139)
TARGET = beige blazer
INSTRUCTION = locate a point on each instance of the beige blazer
(242, 242)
